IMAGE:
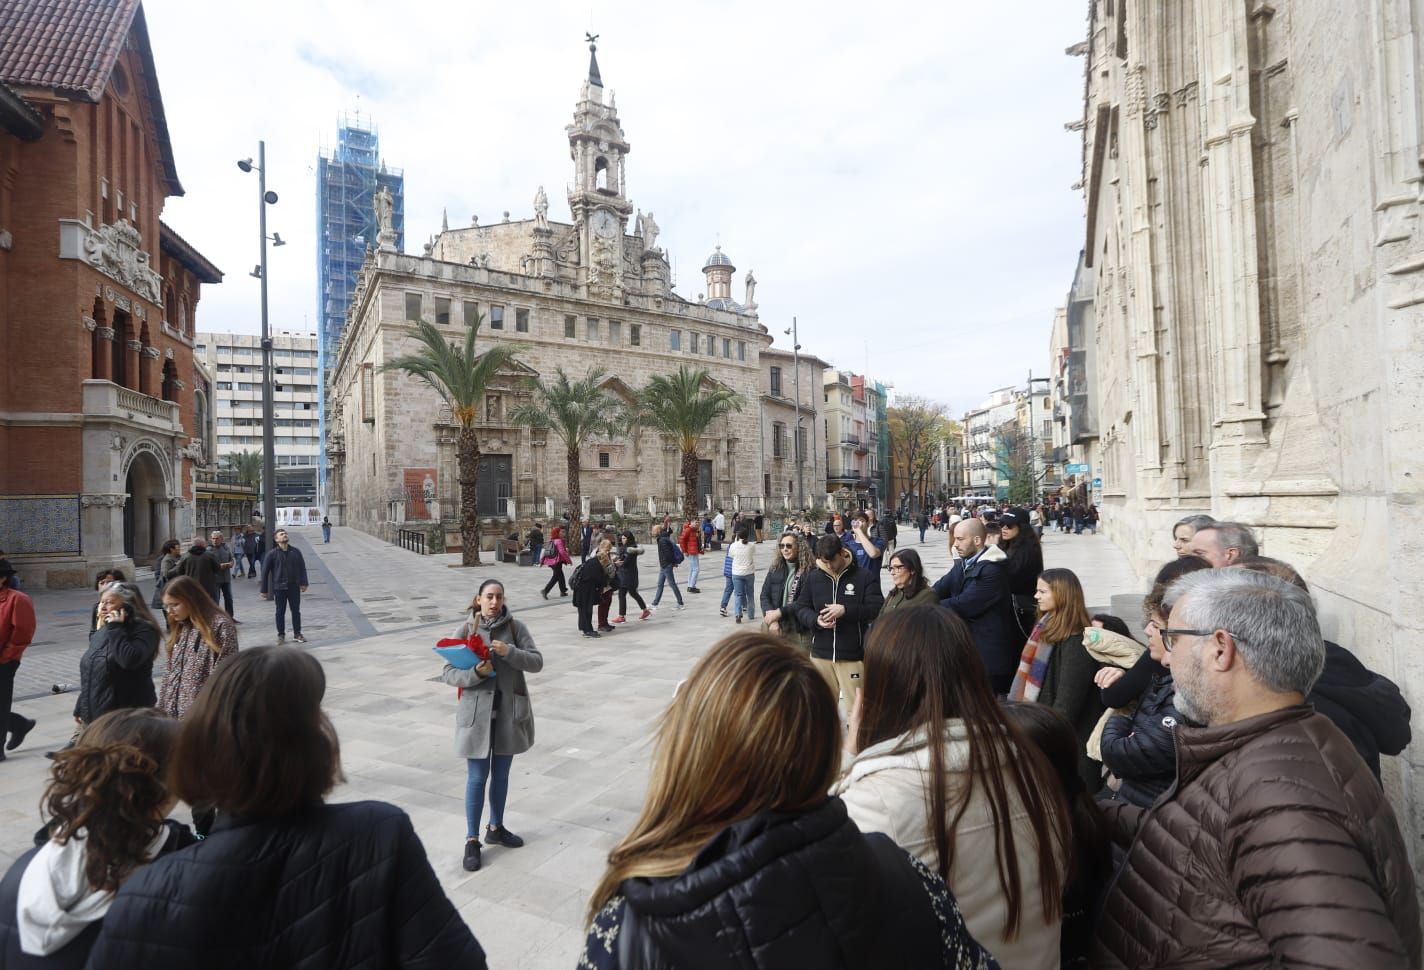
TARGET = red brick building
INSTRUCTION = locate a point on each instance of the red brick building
(102, 411)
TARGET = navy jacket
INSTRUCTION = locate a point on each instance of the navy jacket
(283, 570)
(1141, 747)
(337, 886)
(980, 595)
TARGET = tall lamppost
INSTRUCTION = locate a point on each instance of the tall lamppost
(1033, 437)
(269, 451)
(796, 441)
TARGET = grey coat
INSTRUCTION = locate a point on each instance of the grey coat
(514, 719)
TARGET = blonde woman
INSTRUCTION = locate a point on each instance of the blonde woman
(737, 825)
(200, 636)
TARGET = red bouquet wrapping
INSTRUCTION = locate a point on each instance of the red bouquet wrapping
(463, 653)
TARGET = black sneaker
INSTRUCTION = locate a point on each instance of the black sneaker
(17, 738)
(591, 635)
(299, 638)
(605, 629)
(499, 835)
(693, 589)
(472, 855)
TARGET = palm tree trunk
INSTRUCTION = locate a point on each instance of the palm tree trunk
(689, 485)
(575, 541)
(468, 460)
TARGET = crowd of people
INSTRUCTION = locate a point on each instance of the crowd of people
(891, 770)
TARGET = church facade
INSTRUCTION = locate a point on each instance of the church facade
(594, 292)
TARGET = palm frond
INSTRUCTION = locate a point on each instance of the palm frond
(456, 372)
(682, 406)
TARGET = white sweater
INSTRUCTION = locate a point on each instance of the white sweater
(743, 558)
(883, 790)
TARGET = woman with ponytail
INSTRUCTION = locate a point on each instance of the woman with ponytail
(107, 803)
(200, 636)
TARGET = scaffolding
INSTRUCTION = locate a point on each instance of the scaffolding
(347, 181)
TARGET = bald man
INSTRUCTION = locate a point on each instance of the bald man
(977, 588)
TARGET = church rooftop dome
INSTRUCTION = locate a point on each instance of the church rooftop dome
(718, 258)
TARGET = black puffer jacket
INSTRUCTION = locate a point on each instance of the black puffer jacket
(788, 891)
(338, 886)
(1140, 748)
(773, 590)
(855, 589)
(1367, 707)
(627, 557)
(117, 670)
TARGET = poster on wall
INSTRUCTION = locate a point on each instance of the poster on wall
(420, 492)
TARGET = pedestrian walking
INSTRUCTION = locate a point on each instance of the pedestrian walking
(889, 531)
(169, 555)
(1056, 669)
(667, 561)
(252, 549)
(690, 541)
(234, 543)
(908, 585)
(284, 579)
(17, 631)
(728, 586)
(759, 523)
(743, 557)
(116, 670)
(200, 636)
(778, 590)
(199, 564)
(585, 541)
(222, 555)
(588, 582)
(536, 544)
(924, 522)
(556, 557)
(343, 885)
(106, 804)
(494, 720)
(325, 529)
(938, 768)
(720, 525)
(738, 858)
(604, 555)
(625, 557)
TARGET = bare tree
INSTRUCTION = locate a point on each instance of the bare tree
(917, 428)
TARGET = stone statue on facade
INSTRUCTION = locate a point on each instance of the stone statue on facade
(648, 229)
(750, 302)
(385, 205)
(541, 210)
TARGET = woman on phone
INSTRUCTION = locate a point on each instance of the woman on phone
(116, 671)
(493, 719)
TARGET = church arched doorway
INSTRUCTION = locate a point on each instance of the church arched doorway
(145, 509)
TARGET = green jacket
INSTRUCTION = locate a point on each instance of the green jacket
(897, 600)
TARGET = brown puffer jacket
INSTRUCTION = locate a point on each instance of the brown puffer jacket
(1275, 848)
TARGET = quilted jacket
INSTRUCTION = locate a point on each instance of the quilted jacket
(1139, 747)
(1275, 847)
(337, 886)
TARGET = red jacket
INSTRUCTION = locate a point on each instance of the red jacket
(17, 624)
(690, 540)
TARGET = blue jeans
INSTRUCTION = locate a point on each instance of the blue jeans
(535, 552)
(479, 773)
(665, 576)
(743, 588)
(326, 533)
(292, 596)
(694, 568)
(727, 592)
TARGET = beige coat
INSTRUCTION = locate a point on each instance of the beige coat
(1112, 648)
(883, 789)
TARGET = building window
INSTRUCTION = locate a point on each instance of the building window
(412, 306)
(496, 318)
(711, 344)
(727, 348)
(766, 484)
(800, 443)
(635, 334)
(691, 342)
(368, 393)
(674, 340)
(778, 440)
(741, 350)
(776, 382)
(592, 333)
(521, 320)
(615, 332)
(603, 459)
(570, 327)
(472, 313)
(442, 311)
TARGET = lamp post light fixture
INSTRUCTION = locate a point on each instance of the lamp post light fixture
(269, 452)
(796, 440)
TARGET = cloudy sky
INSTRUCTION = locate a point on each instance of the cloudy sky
(898, 177)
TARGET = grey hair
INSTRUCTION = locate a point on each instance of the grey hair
(1234, 535)
(1197, 522)
(132, 597)
(1273, 622)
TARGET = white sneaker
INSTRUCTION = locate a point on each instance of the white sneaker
(680, 607)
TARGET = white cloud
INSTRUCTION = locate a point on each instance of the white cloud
(897, 177)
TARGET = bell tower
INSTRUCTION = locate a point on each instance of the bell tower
(598, 197)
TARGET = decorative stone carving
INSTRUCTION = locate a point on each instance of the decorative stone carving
(541, 211)
(151, 352)
(114, 250)
(168, 352)
(89, 324)
(105, 500)
(135, 345)
(106, 332)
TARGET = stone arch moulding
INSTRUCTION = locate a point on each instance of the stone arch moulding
(155, 450)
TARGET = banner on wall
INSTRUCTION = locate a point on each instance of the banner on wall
(420, 492)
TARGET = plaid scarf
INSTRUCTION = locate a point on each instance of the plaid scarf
(1033, 665)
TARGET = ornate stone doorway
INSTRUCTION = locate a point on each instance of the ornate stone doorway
(146, 510)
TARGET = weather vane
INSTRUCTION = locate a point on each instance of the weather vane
(592, 41)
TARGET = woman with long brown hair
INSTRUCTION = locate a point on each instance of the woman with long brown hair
(940, 769)
(107, 803)
(1056, 669)
(737, 825)
(200, 636)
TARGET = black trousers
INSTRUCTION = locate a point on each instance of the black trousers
(291, 596)
(558, 577)
(227, 596)
(585, 617)
(9, 720)
(623, 595)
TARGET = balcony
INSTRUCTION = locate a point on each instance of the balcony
(105, 399)
(850, 439)
(845, 478)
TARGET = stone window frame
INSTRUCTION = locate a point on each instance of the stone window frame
(521, 319)
(741, 350)
(570, 326)
(635, 335)
(726, 348)
(778, 439)
(615, 332)
(605, 459)
(711, 345)
(590, 332)
(776, 382)
(496, 316)
(674, 339)
(442, 317)
(419, 305)
(470, 312)
(368, 393)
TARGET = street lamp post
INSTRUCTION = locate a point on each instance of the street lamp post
(796, 441)
(269, 450)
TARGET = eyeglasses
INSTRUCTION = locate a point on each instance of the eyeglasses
(896, 567)
(788, 545)
(1169, 635)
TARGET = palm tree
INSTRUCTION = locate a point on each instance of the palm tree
(460, 376)
(680, 406)
(246, 465)
(574, 412)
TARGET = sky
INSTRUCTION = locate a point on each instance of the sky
(898, 176)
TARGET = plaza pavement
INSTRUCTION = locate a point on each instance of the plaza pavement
(372, 614)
